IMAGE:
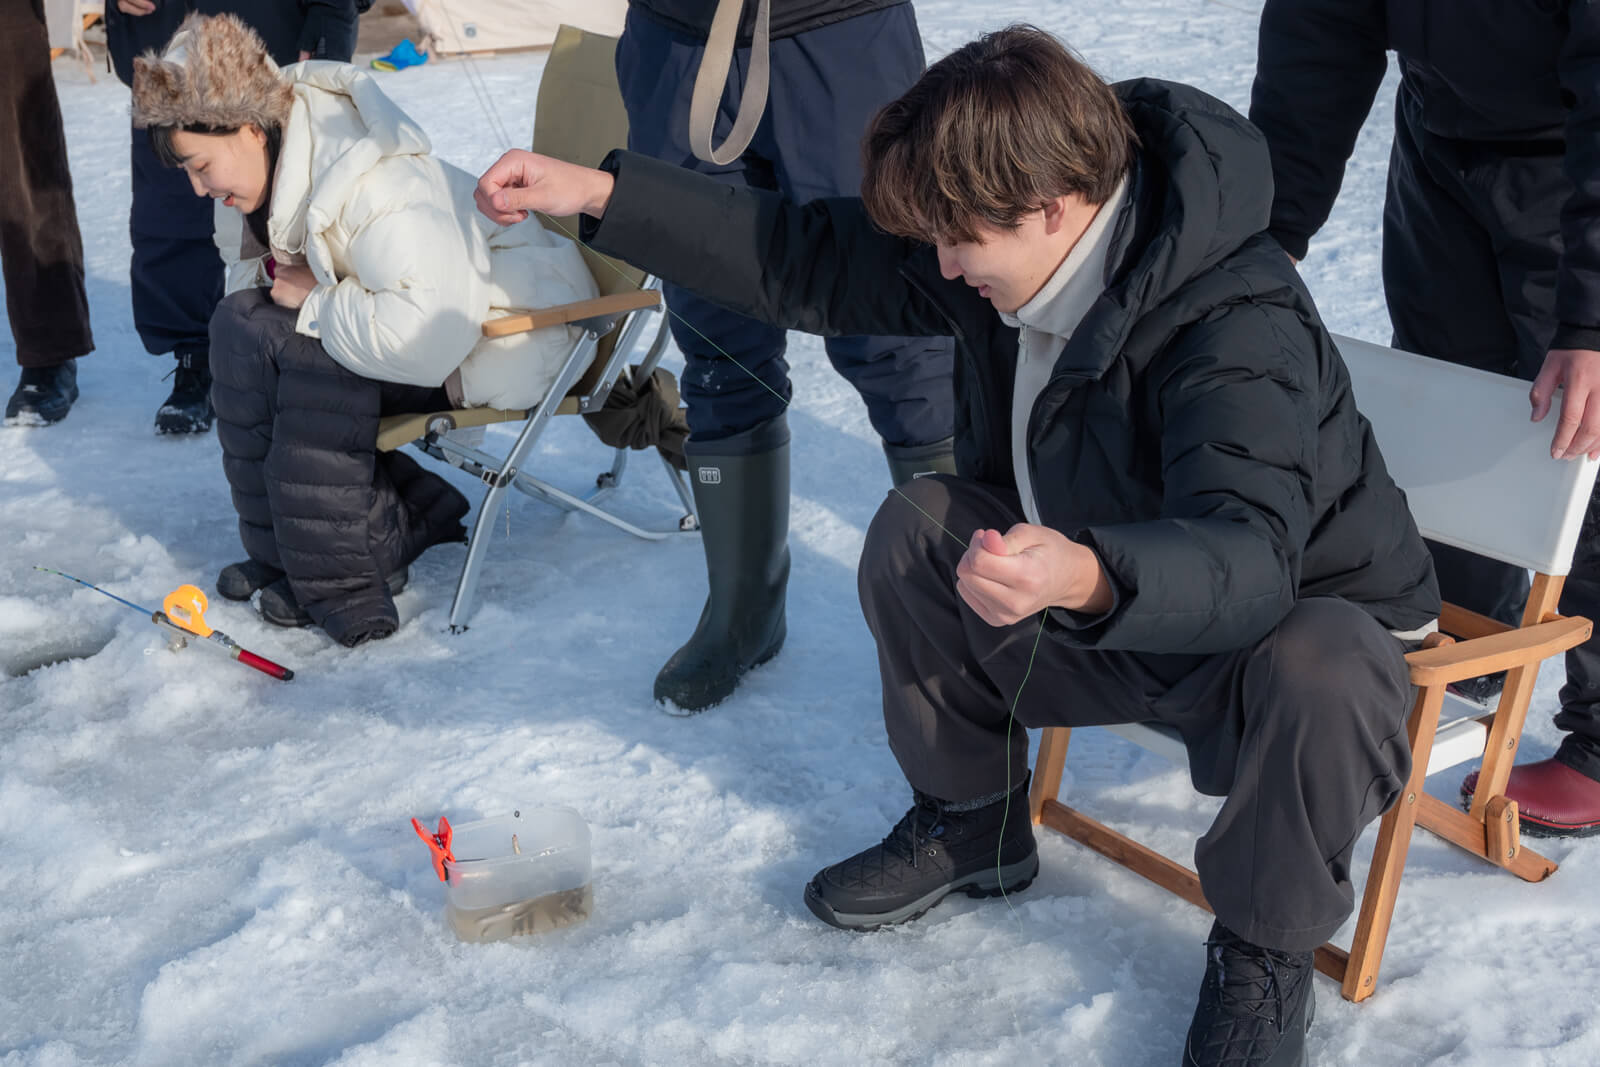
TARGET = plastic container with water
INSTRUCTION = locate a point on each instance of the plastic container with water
(523, 873)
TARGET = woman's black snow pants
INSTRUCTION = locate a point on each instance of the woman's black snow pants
(315, 498)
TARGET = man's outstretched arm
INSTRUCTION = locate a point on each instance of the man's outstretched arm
(819, 267)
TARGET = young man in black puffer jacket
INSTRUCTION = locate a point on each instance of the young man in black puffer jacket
(1173, 510)
(176, 275)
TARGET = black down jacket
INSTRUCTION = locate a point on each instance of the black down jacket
(1198, 431)
(325, 28)
(1522, 76)
(315, 499)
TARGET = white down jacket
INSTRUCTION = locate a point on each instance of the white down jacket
(407, 269)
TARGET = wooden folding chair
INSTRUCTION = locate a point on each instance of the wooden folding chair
(1477, 475)
(579, 118)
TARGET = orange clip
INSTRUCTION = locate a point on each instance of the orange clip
(438, 844)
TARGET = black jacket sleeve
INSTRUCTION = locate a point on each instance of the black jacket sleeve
(1239, 414)
(1578, 284)
(1318, 67)
(820, 267)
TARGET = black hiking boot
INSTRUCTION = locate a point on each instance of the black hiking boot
(43, 395)
(1484, 690)
(188, 409)
(741, 490)
(930, 853)
(237, 581)
(907, 462)
(1256, 1005)
(279, 606)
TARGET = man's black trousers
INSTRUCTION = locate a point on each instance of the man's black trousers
(1303, 733)
(1471, 251)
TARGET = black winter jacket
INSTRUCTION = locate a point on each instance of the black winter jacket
(325, 28)
(1523, 74)
(785, 18)
(1198, 431)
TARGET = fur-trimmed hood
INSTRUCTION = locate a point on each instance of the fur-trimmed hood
(215, 73)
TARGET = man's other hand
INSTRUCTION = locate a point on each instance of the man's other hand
(1008, 577)
(521, 182)
(136, 7)
(1577, 372)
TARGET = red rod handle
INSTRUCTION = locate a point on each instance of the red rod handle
(265, 666)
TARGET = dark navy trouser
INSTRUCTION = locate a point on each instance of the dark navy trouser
(176, 274)
(826, 85)
(1471, 252)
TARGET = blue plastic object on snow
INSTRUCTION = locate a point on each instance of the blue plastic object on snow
(404, 55)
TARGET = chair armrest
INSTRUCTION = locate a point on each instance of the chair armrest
(1497, 652)
(600, 307)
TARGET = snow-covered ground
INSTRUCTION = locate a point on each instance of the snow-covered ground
(204, 866)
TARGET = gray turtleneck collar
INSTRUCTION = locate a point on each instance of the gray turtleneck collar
(1048, 320)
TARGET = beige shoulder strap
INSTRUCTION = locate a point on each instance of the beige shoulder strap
(712, 78)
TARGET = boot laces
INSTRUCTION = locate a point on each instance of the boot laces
(188, 373)
(1248, 979)
(923, 823)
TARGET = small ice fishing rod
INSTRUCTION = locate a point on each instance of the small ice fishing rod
(184, 614)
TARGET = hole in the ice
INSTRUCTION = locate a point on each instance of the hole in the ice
(48, 651)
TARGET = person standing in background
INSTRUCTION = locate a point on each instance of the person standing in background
(832, 65)
(176, 273)
(1491, 256)
(40, 247)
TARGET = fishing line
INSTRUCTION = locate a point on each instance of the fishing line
(485, 101)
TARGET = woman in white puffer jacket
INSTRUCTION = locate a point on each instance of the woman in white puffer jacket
(360, 275)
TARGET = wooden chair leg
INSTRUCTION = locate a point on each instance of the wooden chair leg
(1459, 828)
(1047, 768)
(1389, 855)
(1505, 730)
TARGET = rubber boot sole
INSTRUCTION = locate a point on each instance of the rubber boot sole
(989, 882)
(281, 609)
(710, 699)
(1533, 826)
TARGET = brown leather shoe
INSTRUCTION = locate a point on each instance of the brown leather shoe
(1553, 800)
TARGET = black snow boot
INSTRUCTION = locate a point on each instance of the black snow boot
(913, 461)
(43, 395)
(930, 853)
(188, 409)
(741, 490)
(1256, 1005)
(279, 606)
(237, 581)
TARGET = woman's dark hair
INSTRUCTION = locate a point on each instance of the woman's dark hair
(167, 153)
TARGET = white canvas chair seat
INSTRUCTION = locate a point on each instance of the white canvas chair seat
(1477, 474)
(579, 118)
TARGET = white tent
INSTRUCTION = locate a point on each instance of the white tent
(489, 25)
(64, 21)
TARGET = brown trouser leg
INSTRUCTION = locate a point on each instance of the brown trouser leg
(1303, 733)
(40, 248)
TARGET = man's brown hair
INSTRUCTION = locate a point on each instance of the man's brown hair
(991, 133)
